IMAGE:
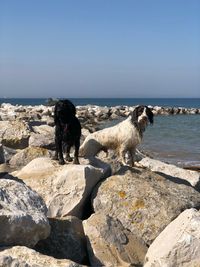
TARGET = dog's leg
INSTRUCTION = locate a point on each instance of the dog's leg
(132, 157)
(76, 152)
(68, 158)
(122, 155)
(58, 143)
(60, 153)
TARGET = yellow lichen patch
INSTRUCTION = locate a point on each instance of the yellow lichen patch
(138, 204)
(141, 226)
(125, 203)
(122, 194)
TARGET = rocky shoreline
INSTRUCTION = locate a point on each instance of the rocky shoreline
(98, 213)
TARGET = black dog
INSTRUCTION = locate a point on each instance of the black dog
(67, 131)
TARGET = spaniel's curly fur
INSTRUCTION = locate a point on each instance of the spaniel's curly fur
(123, 137)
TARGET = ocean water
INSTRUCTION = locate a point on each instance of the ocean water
(165, 102)
(173, 139)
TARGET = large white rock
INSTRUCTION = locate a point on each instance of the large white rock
(178, 244)
(20, 256)
(23, 218)
(14, 134)
(65, 188)
(145, 202)
(192, 177)
(24, 156)
(110, 244)
(43, 136)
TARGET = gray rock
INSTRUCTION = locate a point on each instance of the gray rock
(20, 256)
(8, 153)
(26, 155)
(42, 140)
(178, 244)
(2, 158)
(43, 136)
(66, 241)
(143, 201)
(23, 218)
(110, 244)
(192, 177)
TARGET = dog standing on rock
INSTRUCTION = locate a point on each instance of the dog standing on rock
(123, 137)
(67, 130)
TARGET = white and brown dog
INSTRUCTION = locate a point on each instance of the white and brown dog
(123, 137)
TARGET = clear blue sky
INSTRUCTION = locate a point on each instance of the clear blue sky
(99, 48)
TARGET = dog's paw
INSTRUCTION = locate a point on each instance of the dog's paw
(61, 162)
(55, 157)
(139, 165)
(69, 159)
(76, 161)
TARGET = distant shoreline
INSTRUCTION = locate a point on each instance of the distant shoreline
(110, 102)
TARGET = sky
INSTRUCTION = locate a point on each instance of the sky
(99, 48)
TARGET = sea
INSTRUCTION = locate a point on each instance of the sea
(174, 139)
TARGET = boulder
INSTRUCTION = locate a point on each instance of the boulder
(110, 244)
(26, 155)
(44, 129)
(23, 218)
(8, 153)
(192, 177)
(66, 241)
(42, 140)
(65, 188)
(2, 158)
(145, 202)
(178, 244)
(4, 169)
(20, 256)
(14, 134)
(7, 112)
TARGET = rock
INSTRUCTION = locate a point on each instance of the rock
(65, 188)
(178, 244)
(4, 169)
(43, 136)
(102, 113)
(192, 177)
(23, 218)
(42, 140)
(44, 129)
(26, 155)
(20, 256)
(2, 158)
(14, 134)
(66, 241)
(110, 244)
(7, 112)
(8, 153)
(145, 202)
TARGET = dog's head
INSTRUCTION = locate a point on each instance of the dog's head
(142, 115)
(64, 111)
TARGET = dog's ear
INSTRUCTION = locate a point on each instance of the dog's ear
(134, 115)
(150, 115)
